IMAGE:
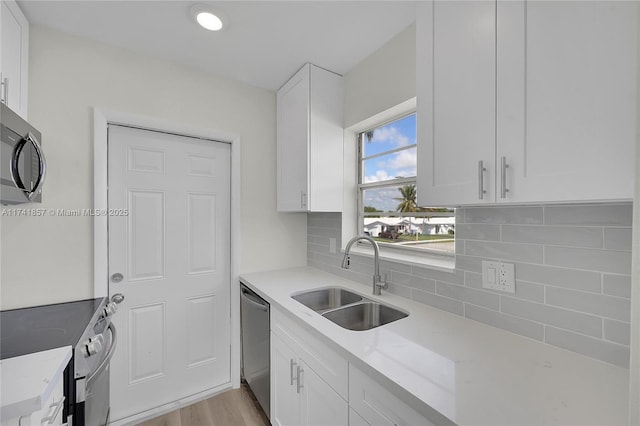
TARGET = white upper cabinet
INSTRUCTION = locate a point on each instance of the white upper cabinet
(550, 116)
(14, 57)
(456, 65)
(310, 141)
(567, 113)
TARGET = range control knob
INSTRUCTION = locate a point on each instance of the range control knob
(110, 309)
(93, 345)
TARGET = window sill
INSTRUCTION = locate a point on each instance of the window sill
(444, 262)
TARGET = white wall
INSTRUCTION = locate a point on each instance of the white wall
(384, 79)
(634, 377)
(50, 259)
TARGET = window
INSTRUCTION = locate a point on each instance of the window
(387, 209)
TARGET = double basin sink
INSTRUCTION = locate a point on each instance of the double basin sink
(347, 309)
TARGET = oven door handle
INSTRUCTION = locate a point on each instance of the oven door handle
(107, 358)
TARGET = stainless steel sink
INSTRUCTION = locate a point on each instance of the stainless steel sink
(328, 298)
(364, 316)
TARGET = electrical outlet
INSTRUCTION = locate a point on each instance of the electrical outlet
(499, 276)
(332, 245)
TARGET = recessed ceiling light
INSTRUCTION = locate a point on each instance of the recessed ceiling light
(207, 17)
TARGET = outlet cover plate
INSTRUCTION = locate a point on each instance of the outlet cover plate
(499, 276)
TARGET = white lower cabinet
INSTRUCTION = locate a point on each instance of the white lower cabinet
(301, 370)
(372, 404)
(50, 414)
(311, 384)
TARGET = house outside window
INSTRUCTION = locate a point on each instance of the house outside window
(387, 207)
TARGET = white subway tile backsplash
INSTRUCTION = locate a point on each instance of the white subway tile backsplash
(590, 259)
(516, 325)
(468, 263)
(477, 232)
(440, 302)
(561, 277)
(469, 295)
(563, 318)
(455, 277)
(617, 238)
(617, 285)
(595, 348)
(504, 251)
(591, 215)
(399, 290)
(572, 236)
(531, 215)
(572, 267)
(596, 304)
(395, 266)
(409, 280)
(617, 331)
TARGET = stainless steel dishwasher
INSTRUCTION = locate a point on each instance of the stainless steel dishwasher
(254, 312)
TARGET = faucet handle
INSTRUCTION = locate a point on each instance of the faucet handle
(383, 282)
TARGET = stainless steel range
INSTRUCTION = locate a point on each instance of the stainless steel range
(91, 366)
(85, 325)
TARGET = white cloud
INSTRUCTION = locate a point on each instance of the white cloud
(403, 159)
(381, 175)
(390, 134)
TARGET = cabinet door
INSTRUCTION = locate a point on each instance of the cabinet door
(321, 405)
(293, 142)
(374, 405)
(456, 102)
(51, 412)
(285, 399)
(566, 99)
(14, 57)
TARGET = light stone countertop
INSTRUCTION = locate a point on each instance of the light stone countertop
(447, 366)
(29, 380)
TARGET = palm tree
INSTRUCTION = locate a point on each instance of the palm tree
(408, 201)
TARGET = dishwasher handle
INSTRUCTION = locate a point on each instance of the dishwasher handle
(253, 299)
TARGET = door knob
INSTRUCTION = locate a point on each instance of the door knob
(117, 277)
(117, 298)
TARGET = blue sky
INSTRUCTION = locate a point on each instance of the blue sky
(402, 163)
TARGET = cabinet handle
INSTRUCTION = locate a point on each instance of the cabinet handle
(303, 200)
(503, 177)
(299, 379)
(292, 364)
(481, 170)
(57, 406)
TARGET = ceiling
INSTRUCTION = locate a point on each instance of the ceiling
(264, 44)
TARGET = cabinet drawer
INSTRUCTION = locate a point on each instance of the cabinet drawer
(375, 405)
(327, 363)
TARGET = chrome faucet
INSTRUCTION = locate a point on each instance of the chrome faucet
(378, 283)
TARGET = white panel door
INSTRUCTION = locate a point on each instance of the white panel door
(567, 99)
(456, 57)
(169, 202)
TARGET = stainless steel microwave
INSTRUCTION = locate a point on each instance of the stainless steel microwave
(22, 163)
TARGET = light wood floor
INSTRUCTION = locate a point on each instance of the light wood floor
(236, 407)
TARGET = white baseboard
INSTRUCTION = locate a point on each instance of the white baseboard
(172, 406)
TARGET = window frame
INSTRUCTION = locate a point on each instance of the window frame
(361, 186)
